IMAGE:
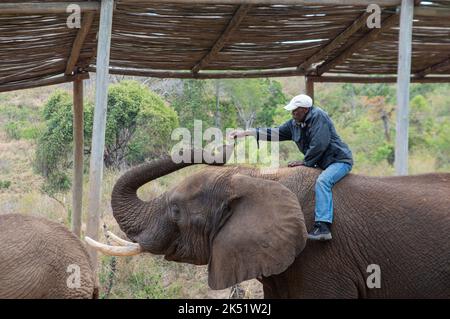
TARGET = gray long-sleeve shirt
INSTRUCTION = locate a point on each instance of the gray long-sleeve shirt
(316, 137)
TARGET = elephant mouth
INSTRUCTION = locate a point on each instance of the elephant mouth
(174, 254)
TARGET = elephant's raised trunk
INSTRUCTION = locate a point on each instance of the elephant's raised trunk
(144, 222)
(129, 210)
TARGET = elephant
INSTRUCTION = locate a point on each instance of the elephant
(42, 259)
(390, 234)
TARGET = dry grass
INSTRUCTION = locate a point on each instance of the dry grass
(32, 98)
(419, 163)
(292, 86)
(16, 167)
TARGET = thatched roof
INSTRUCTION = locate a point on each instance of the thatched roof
(217, 38)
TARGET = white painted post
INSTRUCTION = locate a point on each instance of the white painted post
(78, 141)
(98, 133)
(403, 80)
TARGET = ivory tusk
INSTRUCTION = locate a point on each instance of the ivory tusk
(120, 241)
(114, 250)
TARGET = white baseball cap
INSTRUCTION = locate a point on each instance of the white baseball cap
(301, 100)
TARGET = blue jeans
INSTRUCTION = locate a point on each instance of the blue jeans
(324, 197)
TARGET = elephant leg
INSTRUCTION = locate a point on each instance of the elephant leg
(273, 288)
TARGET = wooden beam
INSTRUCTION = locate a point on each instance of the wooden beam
(371, 36)
(77, 45)
(403, 80)
(61, 7)
(87, 61)
(431, 12)
(435, 67)
(78, 142)
(360, 44)
(335, 43)
(26, 73)
(28, 8)
(232, 26)
(203, 75)
(360, 3)
(309, 87)
(386, 79)
(42, 82)
(98, 132)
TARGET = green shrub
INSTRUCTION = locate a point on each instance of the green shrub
(12, 130)
(5, 184)
(21, 122)
(54, 145)
(22, 130)
(441, 144)
(385, 152)
(138, 126)
(57, 182)
(31, 132)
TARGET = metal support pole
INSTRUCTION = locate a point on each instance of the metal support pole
(98, 133)
(403, 80)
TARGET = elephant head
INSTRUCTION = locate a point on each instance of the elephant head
(242, 226)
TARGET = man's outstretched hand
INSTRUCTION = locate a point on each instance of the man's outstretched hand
(295, 163)
(237, 134)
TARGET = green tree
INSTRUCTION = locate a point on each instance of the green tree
(228, 103)
(227, 113)
(139, 126)
(441, 144)
(275, 99)
(378, 89)
(54, 145)
(255, 100)
(421, 123)
(193, 103)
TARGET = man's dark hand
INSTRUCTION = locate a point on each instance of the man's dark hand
(295, 163)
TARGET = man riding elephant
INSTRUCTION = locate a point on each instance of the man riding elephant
(315, 135)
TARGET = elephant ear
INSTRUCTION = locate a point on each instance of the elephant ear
(263, 235)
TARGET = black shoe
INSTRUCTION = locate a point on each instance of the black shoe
(321, 231)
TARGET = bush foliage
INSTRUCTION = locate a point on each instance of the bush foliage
(138, 126)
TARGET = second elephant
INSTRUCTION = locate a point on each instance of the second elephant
(40, 258)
